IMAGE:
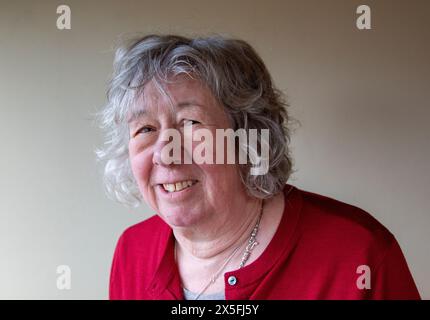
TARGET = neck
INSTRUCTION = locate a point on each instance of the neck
(220, 238)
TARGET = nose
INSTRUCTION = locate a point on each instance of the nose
(167, 150)
(156, 157)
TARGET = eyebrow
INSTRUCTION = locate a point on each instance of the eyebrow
(137, 113)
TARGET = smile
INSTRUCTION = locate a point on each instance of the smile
(178, 186)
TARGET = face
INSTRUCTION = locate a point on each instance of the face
(201, 192)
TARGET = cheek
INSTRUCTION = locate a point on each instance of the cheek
(141, 165)
(221, 180)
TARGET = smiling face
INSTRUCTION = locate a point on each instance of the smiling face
(183, 195)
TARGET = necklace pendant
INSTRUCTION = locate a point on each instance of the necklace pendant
(253, 245)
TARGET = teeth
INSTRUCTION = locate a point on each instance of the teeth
(178, 186)
(169, 187)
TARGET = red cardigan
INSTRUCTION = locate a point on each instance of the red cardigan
(314, 254)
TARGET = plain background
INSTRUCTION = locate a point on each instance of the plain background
(362, 98)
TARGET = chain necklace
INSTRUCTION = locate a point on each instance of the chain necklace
(252, 242)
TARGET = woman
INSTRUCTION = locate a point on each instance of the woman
(221, 232)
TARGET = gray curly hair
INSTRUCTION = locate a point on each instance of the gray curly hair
(234, 73)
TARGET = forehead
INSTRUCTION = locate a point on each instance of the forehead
(181, 93)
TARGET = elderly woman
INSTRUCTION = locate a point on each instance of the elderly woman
(220, 231)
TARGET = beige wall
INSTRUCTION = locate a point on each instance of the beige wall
(362, 98)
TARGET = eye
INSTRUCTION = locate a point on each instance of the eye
(144, 129)
(189, 122)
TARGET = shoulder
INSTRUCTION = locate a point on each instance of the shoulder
(341, 225)
(338, 244)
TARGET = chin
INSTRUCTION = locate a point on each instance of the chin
(177, 218)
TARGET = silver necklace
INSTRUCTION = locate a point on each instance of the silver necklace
(252, 242)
